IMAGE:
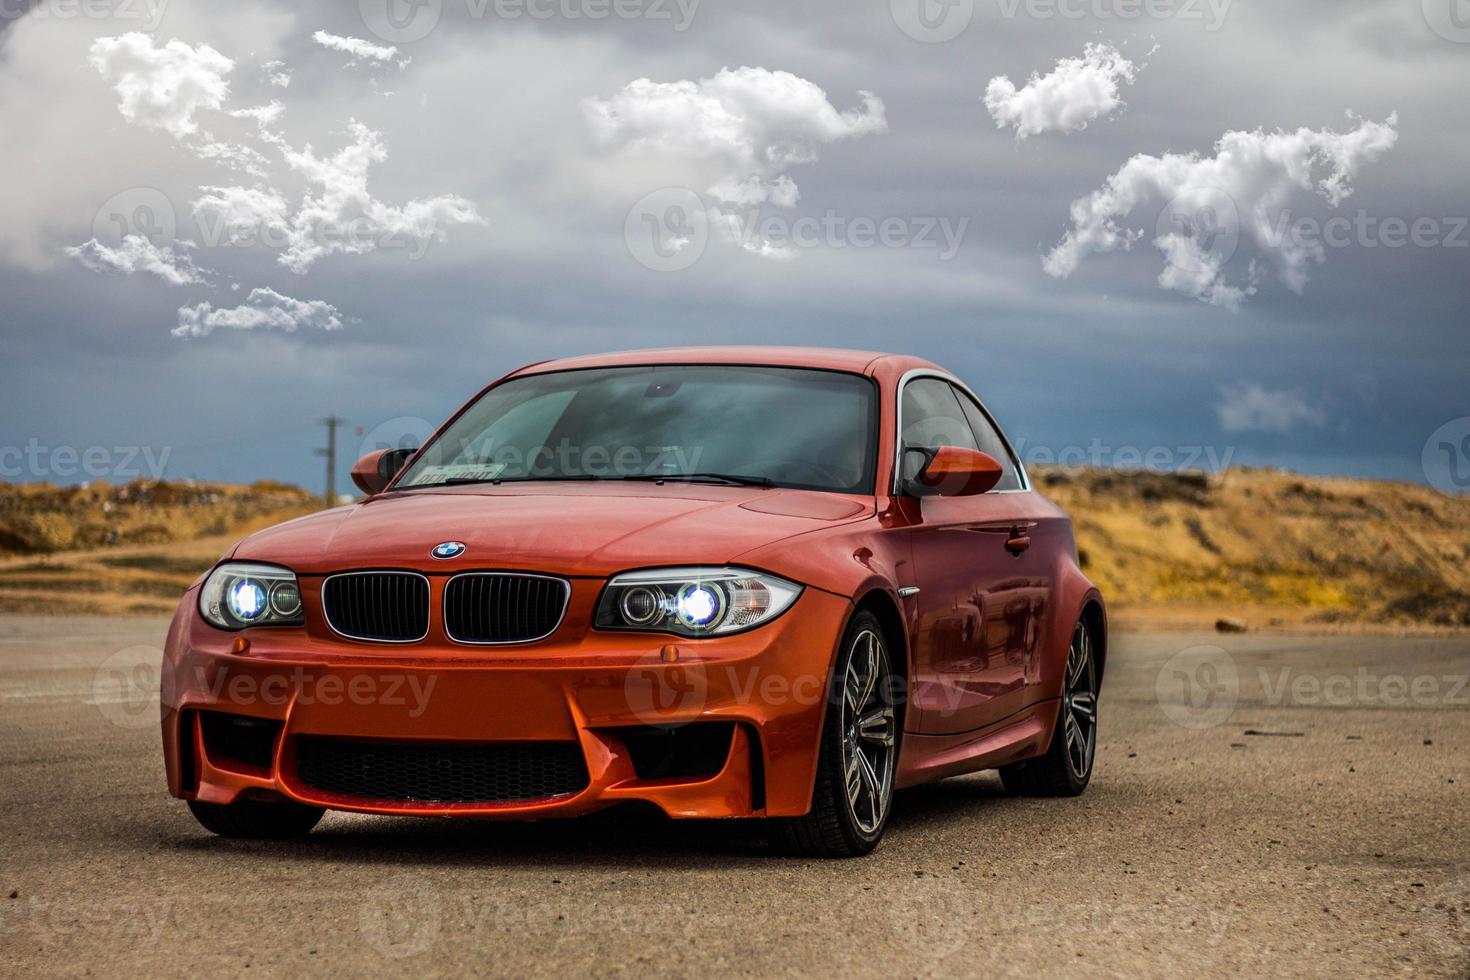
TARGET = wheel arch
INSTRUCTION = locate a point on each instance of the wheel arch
(885, 606)
(1095, 618)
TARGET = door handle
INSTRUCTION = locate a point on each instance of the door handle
(1018, 533)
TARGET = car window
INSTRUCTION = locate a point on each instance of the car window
(988, 437)
(794, 427)
(931, 417)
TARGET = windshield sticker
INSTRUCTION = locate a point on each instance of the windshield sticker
(458, 471)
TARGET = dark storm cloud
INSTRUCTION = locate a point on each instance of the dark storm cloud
(489, 109)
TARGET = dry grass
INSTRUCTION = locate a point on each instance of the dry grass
(1169, 550)
(1270, 547)
(125, 549)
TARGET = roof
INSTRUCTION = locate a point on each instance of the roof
(811, 357)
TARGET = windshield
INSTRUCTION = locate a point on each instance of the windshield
(788, 427)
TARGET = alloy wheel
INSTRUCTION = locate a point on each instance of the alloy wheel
(869, 732)
(1079, 703)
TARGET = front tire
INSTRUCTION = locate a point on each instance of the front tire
(853, 793)
(1066, 768)
(254, 820)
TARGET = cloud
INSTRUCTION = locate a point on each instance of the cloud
(1077, 91)
(235, 155)
(265, 309)
(276, 73)
(739, 130)
(1208, 203)
(338, 214)
(243, 216)
(162, 87)
(136, 253)
(359, 50)
(1249, 407)
(264, 115)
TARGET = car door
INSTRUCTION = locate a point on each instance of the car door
(1022, 589)
(975, 609)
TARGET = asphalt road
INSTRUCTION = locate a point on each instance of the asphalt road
(1337, 841)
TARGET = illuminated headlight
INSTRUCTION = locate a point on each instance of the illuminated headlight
(241, 594)
(694, 601)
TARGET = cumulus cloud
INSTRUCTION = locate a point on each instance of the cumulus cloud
(162, 87)
(276, 73)
(1210, 203)
(338, 214)
(1076, 92)
(741, 128)
(1249, 407)
(135, 253)
(240, 215)
(358, 50)
(263, 309)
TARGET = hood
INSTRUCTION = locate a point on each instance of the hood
(563, 529)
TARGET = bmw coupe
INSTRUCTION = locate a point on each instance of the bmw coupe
(730, 582)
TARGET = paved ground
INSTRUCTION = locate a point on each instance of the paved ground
(1336, 842)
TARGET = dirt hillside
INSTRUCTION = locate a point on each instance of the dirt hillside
(1271, 549)
(125, 549)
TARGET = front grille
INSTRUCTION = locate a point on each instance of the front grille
(388, 607)
(483, 772)
(497, 607)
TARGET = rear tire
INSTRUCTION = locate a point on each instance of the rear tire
(1066, 768)
(254, 820)
(853, 793)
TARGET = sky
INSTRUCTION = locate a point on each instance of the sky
(1177, 233)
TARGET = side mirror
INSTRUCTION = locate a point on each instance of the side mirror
(377, 469)
(953, 471)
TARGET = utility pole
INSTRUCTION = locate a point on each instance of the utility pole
(331, 422)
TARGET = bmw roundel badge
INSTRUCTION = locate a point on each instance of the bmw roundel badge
(447, 550)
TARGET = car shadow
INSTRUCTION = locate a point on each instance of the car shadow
(630, 834)
(620, 836)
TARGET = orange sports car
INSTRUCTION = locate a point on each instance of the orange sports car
(729, 582)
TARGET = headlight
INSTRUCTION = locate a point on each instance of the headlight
(241, 594)
(693, 601)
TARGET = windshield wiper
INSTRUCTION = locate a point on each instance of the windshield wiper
(729, 479)
(464, 481)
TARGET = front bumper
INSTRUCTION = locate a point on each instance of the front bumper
(580, 687)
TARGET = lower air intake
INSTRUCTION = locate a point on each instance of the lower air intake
(477, 772)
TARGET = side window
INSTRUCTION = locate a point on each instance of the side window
(989, 441)
(932, 417)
